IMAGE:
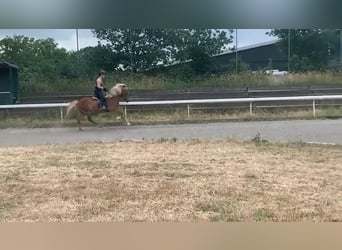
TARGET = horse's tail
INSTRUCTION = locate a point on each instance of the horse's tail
(71, 109)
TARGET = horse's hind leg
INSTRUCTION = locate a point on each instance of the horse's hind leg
(91, 120)
(79, 123)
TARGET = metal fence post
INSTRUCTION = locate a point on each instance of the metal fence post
(188, 111)
(61, 112)
(314, 108)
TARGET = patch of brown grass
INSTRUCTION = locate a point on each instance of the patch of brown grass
(171, 180)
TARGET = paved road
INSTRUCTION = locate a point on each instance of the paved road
(321, 131)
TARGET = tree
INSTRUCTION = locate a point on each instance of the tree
(92, 59)
(199, 45)
(147, 48)
(39, 58)
(310, 49)
(139, 48)
(210, 41)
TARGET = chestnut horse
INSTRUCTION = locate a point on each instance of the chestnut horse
(88, 106)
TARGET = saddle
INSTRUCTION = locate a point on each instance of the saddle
(98, 101)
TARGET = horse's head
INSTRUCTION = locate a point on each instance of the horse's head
(120, 89)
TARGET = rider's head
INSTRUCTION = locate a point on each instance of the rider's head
(102, 73)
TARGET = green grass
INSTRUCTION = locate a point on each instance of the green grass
(264, 215)
(163, 139)
(159, 81)
(4, 208)
(259, 141)
(222, 210)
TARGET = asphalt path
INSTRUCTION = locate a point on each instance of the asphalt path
(312, 131)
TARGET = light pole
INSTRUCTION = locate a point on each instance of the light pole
(77, 40)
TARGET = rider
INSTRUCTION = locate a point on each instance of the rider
(99, 88)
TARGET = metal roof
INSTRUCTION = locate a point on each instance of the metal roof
(4, 64)
(253, 46)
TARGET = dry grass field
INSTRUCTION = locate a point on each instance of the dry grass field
(171, 180)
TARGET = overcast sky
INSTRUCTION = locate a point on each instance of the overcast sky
(66, 38)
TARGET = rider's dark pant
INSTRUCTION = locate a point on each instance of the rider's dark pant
(99, 94)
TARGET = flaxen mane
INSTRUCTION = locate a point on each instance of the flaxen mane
(116, 90)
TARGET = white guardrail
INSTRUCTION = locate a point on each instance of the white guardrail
(193, 101)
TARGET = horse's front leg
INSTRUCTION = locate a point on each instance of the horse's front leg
(123, 117)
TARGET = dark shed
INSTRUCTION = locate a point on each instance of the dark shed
(259, 57)
(267, 55)
(9, 83)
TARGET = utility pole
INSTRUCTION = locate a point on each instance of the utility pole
(78, 52)
(341, 45)
(236, 51)
(288, 50)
